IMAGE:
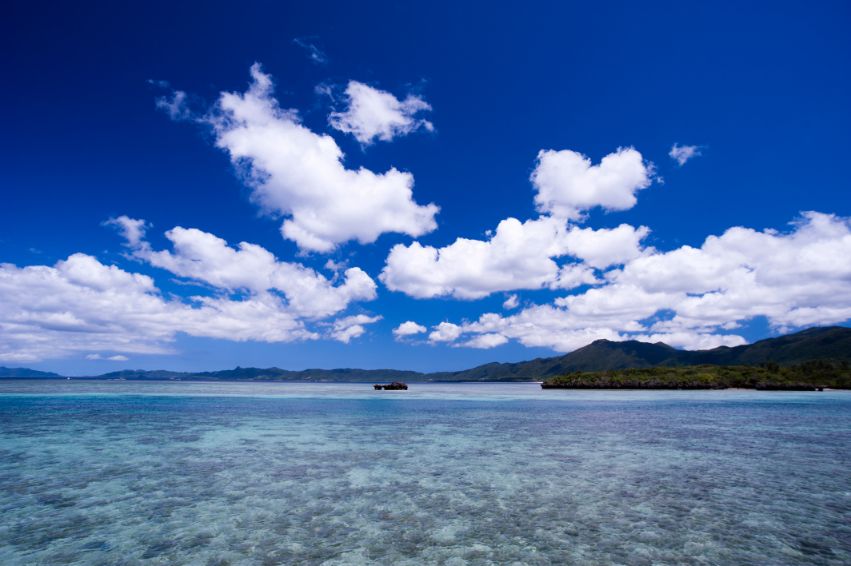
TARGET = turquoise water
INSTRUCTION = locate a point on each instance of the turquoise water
(213, 473)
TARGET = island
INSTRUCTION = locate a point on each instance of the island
(808, 376)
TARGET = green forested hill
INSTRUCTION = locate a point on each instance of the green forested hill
(830, 344)
(806, 376)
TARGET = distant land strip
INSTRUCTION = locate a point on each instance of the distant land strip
(806, 376)
(813, 357)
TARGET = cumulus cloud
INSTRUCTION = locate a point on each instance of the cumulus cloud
(517, 256)
(445, 332)
(794, 279)
(349, 327)
(692, 297)
(376, 114)
(82, 305)
(682, 153)
(408, 328)
(568, 184)
(552, 327)
(537, 326)
(574, 275)
(522, 255)
(605, 247)
(299, 174)
(511, 303)
(204, 257)
(486, 341)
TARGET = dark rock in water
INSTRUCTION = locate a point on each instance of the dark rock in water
(395, 386)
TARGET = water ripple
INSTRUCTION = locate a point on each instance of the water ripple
(224, 478)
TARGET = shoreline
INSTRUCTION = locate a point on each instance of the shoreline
(369, 385)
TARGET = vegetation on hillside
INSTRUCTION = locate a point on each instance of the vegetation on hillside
(806, 376)
(832, 343)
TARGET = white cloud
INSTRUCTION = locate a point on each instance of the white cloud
(299, 174)
(517, 256)
(445, 332)
(574, 275)
(692, 297)
(794, 279)
(522, 255)
(408, 328)
(511, 303)
(176, 105)
(131, 229)
(557, 328)
(82, 305)
(376, 114)
(486, 341)
(682, 153)
(313, 52)
(204, 257)
(335, 266)
(538, 326)
(568, 184)
(115, 358)
(691, 339)
(345, 329)
(604, 247)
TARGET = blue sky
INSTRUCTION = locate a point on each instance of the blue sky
(460, 100)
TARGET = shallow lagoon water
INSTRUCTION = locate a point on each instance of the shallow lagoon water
(271, 473)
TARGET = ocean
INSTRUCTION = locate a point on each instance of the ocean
(273, 473)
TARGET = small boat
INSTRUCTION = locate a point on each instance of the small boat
(395, 386)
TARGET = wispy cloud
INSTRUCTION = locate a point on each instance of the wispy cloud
(512, 302)
(115, 358)
(682, 153)
(313, 52)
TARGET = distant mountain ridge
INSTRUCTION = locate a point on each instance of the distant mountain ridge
(267, 374)
(829, 343)
(26, 373)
